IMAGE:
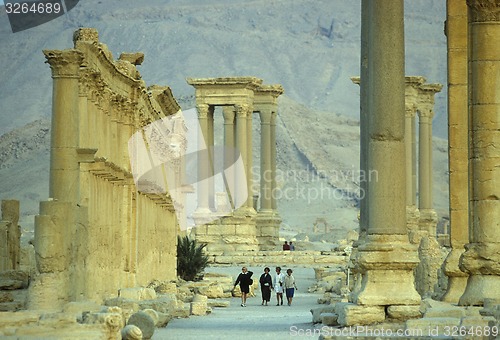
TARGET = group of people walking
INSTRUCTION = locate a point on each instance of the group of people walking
(281, 283)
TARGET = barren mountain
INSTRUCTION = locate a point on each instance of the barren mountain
(311, 47)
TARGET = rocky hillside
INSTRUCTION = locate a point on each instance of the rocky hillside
(311, 47)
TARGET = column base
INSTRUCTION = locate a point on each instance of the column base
(457, 279)
(268, 227)
(428, 221)
(479, 288)
(235, 233)
(386, 263)
(412, 218)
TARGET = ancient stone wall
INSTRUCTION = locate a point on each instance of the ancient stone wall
(101, 230)
(10, 234)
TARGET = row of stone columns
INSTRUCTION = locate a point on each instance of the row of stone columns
(419, 100)
(385, 254)
(240, 97)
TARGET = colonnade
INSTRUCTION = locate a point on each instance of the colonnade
(421, 217)
(385, 257)
(240, 227)
(97, 202)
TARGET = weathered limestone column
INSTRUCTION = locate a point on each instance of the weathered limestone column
(242, 111)
(274, 204)
(386, 258)
(210, 147)
(65, 136)
(249, 164)
(266, 179)
(425, 106)
(10, 235)
(229, 143)
(203, 161)
(482, 256)
(456, 32)
(412, 213)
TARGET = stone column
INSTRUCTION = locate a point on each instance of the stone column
(241, 144)
(482, 256)
(249, 171)
(229, 143)
(210, 148)
(425, 106)
(412, 213)
(274, 204)
(64, 168)
(266, 178)
(456, 32)
(203, 161)
(386, 258)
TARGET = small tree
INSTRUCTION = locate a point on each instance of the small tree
(191, 261)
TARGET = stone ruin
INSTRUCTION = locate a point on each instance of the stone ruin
(392, 272)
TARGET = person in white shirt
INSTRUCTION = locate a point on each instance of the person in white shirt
(279, 282)
(290, 286)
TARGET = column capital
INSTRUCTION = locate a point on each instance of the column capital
(242, 110)
(64, 64)
(202, 110)
(265, 116)
(228, 112)
(484, 10)
(410, 110)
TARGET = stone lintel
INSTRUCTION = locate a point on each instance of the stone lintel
(135, 58)
(266, 96)
(241, 82)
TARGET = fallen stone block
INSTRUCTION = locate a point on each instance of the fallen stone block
(218, 303)
(316, 312)
(351, 314)
(403, 312)
(138, 293)
(145, 322)
(329, 319)
(14, 279)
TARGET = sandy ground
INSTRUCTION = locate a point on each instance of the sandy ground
(254, 321)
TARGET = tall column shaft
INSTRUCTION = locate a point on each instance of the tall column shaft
(274, 204)
(229, 143)
(210, 148)
(266, 178)
(64, 167)
(364, 116)
(482, 256)
(457, 46)
(424, 162)
(386, 258)
(409, 117)
(241, 145)
(249, 165)
(203, 160)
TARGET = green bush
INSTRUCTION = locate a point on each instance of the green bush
(191, 261)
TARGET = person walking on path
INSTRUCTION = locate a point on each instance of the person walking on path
(245, 281)
(279, 281)
(290, 286)
(266, 284)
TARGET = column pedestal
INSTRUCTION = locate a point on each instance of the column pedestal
(386, 263)
(457, 279)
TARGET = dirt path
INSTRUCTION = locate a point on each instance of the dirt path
(254, 321)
